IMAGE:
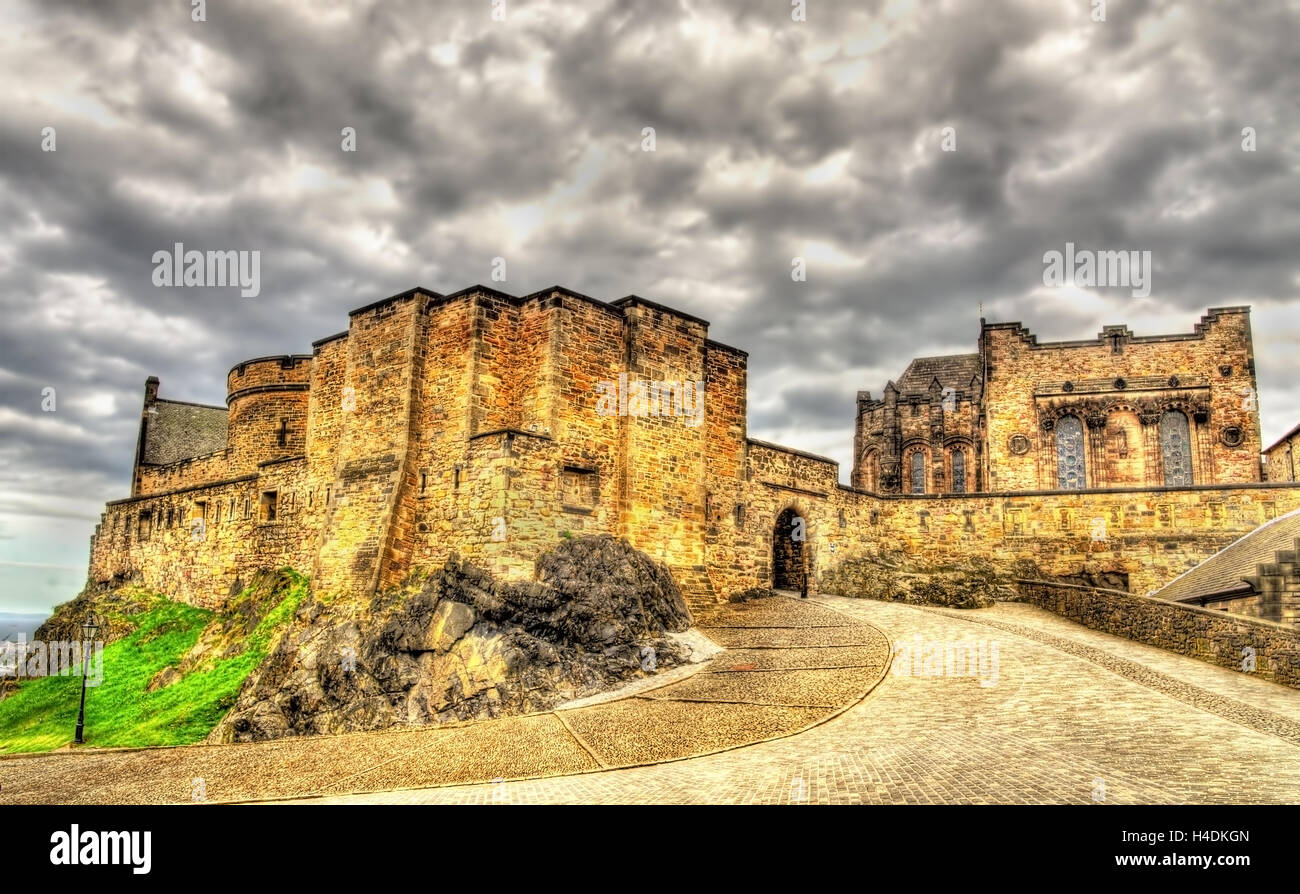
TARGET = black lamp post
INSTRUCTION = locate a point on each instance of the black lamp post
(89, 627)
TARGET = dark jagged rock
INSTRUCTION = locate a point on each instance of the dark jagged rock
(466, 645)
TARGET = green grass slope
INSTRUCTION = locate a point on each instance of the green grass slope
(121, 711)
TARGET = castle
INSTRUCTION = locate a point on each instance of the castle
(1116, 411)
(485, 424)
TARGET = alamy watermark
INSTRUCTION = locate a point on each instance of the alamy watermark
(651, 398)
(63, 658)
(963, 658)
(1085, 268)
(178, 267)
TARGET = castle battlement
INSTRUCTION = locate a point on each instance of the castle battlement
(481, 423)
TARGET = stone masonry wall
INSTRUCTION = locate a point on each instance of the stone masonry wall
(1150, 536)
(1280, 459)
(159, 542)
(1216, 637)
(1208, 374)
(470, 423)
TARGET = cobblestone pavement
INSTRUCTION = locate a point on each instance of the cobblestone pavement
(787, 666)
(1072, 716)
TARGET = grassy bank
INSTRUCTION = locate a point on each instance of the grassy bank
(212, 653)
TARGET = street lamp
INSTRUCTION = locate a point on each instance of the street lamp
(88, 628)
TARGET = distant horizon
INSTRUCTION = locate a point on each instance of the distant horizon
(14, 623)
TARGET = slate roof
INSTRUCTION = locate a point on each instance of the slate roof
(179, 431)
(953, 371)
(1226, 571)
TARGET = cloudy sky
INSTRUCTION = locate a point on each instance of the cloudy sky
(523, 138)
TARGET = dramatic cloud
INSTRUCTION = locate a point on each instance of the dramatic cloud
(522, 138)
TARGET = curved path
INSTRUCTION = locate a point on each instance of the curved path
(1075, 716)
(787, 667)
(1065, 715)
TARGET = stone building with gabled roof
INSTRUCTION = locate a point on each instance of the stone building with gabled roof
(1258, 575)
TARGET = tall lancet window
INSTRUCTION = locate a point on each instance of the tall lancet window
(959, 471)
(1069, 454)
(1176, 449)
(918, 473)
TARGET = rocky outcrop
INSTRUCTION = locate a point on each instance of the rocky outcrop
(462, 645)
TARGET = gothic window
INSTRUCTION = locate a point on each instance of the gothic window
(959, 471)
(918, 473)
(1069, 454)
(1176, 449)
(871, 462)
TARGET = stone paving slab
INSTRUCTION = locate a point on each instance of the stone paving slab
(1236, 684)
(787, 637)
(537, 745)
(743, 660)
(822, 688)
(645, 730)
(778, 611)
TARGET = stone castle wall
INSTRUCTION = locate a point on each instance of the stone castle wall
(1280, 460)
(1146, 537)
(473, 423)
(1119, 386)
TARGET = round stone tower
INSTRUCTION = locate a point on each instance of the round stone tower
(267, 398)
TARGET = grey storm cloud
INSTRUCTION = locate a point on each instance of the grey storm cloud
(522, 139)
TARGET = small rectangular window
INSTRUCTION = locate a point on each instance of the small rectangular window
(1014, 523)
(269, 500)
(579, 487)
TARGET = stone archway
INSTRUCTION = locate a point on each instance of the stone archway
(789, 553)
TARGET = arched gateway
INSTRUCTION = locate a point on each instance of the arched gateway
(789, 562)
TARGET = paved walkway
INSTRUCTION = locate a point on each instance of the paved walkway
(1055, 713)
(1075, 716)
(787, 666)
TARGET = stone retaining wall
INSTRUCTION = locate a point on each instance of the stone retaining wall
(1212, 636)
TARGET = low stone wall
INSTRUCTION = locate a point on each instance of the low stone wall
(1213, 636)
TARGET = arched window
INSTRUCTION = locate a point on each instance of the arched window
(871, 469)
(918, 472)
(1069, 454)
(959, 471)
(1176, 449)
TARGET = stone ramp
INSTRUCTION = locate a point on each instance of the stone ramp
(794, 666)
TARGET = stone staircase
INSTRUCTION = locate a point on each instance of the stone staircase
(1278, 584)
(696, 587)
